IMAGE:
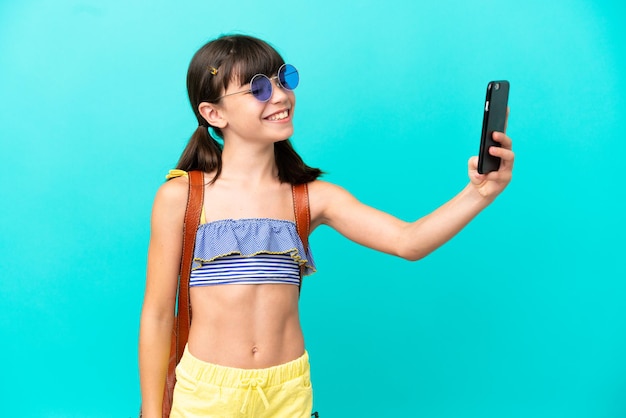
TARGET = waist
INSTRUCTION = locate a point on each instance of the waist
(245, 326)
(232, 377)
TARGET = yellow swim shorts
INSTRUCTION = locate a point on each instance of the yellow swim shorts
(208, 390)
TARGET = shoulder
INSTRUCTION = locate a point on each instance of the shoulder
(171, 199)
(174, 189)
(327, 198)
(321, 190)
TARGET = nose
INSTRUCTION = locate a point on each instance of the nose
(278, 92)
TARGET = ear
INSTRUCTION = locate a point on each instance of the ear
(212, 114)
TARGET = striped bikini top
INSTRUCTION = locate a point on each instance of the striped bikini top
(249, 251)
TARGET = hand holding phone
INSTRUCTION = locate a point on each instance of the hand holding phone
(494, 120)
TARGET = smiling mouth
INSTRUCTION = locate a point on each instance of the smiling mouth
(278, 116)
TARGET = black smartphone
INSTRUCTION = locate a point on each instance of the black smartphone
(494, 120)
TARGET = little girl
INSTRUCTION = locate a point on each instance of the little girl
(246, 356)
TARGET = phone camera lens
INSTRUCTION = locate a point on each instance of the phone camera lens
(497, 86)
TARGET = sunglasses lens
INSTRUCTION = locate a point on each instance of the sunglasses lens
(261, 87)
(288, 76)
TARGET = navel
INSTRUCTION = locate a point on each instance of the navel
(255, 349)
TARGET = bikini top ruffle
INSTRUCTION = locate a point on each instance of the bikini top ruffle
(250, 237)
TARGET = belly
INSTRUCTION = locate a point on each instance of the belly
(246, 326)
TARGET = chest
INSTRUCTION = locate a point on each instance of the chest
(223, 203)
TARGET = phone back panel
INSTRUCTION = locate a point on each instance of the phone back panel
(493, 120)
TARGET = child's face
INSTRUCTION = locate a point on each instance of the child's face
(250, 119)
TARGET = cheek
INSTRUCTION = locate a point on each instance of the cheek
(250, 110)
(293, 102)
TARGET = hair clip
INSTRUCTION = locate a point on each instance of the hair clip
(213, 70)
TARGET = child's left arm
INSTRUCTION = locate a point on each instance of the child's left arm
(378, 230)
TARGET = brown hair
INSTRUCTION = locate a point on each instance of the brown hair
(212, 68)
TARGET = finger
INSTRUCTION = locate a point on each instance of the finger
(472, 169)
(472, 164)
(503, 139)
(502, 175)
(502, 153)
(507, 159)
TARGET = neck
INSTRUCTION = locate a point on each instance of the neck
(252, 164)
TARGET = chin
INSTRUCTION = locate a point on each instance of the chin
(286, 134)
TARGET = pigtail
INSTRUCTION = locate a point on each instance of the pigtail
(202, 152)
(291, 167)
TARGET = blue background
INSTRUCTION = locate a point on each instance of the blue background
(522, 314)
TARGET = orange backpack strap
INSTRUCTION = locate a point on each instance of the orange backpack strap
(192, 221)
(180, 331)
(302, 214)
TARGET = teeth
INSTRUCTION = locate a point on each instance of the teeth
(279, 116)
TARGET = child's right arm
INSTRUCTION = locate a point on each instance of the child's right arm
(157, 315)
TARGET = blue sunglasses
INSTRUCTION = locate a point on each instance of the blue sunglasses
(261, 85)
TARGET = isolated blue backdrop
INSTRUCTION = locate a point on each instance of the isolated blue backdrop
(522, 314)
